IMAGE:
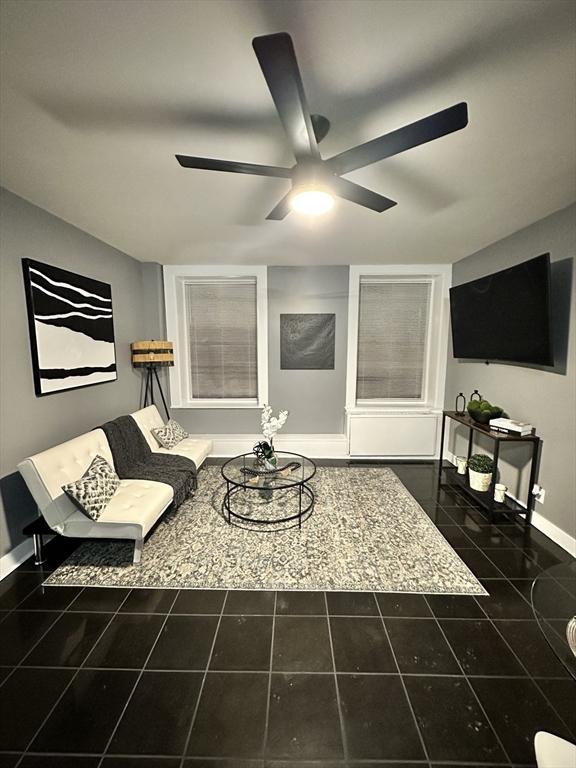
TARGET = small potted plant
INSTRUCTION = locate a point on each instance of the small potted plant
(480, 470)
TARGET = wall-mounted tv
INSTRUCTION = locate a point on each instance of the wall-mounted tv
(505, 316)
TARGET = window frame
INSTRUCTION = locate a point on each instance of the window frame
(175, 280)
(439, 276)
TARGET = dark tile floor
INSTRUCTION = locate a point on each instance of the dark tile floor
(112, 678)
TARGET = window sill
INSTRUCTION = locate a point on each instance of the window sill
(397, 409)
(217, 404)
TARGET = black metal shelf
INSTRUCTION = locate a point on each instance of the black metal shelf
(486, 498)
(482, 497)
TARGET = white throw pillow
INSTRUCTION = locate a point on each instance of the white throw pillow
(170, 435)
(92, 492)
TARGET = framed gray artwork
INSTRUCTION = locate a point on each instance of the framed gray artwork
(307, 341)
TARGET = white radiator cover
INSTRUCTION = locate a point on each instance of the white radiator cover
(394, 435)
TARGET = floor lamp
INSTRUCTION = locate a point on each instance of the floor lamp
(152, 355)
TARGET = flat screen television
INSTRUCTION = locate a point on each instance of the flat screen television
(505, 316)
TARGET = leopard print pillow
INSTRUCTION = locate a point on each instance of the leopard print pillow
(170, 435)
(92, 492)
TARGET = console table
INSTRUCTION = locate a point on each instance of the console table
(486, 498)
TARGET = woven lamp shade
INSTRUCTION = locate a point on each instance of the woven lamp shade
(152, 353)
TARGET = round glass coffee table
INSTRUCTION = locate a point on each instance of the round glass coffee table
(261, 500)
(554, 605)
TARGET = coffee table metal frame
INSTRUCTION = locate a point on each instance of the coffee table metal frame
(305, 493)
(553, 598)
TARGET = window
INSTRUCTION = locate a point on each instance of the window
(397, 336)
(217, 317)
(221, 323)
(392, 334)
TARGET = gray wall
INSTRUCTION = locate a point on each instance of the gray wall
(315, 399)
(154, 324)
(544, 397)
(29, 423)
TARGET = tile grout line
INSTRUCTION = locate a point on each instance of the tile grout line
(523, 553)
(87, 667)
(514, 544)
(338, 701)
(267, 716)
(201, 689)
(138, 678)
(485, 520)
(74, 676)
(550, 704)
(399, 671)
(59, 614)
(26, 596)
(257, 762)
(314, 615)
(500, 574)
(470, 686)
(517, 591)
(529, 675)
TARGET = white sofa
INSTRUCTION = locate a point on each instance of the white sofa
(134, 508)
(149, 418)
(131, 513)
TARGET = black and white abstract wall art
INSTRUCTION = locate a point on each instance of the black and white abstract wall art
(71, 328)
(307, 341)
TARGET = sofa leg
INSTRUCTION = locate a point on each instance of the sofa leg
(38, 549)
(138, 545)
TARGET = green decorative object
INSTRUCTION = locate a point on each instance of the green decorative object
(482, 411)
(479, 462)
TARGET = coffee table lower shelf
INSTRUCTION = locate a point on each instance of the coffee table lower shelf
(303, 491)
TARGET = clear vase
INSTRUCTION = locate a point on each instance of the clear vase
(270, 461)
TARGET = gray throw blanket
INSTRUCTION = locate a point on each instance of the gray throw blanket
(134, 460)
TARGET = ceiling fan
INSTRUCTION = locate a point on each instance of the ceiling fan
(315, 181)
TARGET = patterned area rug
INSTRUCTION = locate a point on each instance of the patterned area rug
(365, 533)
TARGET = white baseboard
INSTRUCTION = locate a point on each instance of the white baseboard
(11, 560)
(321, 446)
(556, 534)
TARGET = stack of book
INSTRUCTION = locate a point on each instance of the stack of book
(511, 427)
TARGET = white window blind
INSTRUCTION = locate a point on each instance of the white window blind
(392, 339)
(222, 336)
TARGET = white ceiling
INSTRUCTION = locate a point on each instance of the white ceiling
(98, 96)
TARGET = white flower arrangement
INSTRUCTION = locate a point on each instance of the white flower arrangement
(271, 424)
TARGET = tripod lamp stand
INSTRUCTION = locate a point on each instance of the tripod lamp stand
(152, 355)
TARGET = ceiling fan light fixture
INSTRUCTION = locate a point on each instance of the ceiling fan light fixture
(316, 181)
(312, 201)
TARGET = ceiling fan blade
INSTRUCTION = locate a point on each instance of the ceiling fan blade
(429, 128)
(321, 127)
(211, 164)
(277, 60)
(357, 194)
(281, 210)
